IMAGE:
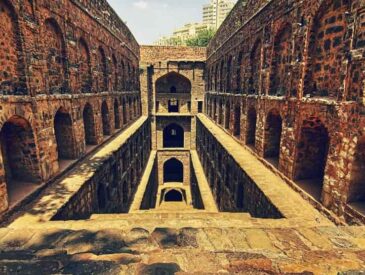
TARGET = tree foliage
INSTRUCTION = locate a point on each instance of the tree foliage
(202, 39)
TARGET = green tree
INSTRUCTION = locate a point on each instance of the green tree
(202, 39)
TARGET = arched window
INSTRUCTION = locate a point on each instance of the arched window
(89, 125)
(173, 171)
(173, 136)
(64, 135)
(173, 83)
(105, 119)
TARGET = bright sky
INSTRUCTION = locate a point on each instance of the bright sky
(150, 19)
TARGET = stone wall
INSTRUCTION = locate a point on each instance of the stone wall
(114, 183)
(286, 78)
(69, 80)
(232, 188)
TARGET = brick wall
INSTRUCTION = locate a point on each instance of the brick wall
(304, 62)
(68, 71)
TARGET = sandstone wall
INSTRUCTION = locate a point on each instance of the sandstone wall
(114, 183)
(68, 80)
(286, 78)
(232, 189)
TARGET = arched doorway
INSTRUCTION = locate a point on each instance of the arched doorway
(173, 136)
(105, 119)
(173, 196)
(311, 156)
(272, 138)
(64, 135)
(116, 115)
(89, 125)
(251, 127)
(18, 157)
(173, 171)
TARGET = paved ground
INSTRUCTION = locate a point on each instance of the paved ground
(322, 250)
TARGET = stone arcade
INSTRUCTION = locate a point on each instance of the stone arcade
(245, 157)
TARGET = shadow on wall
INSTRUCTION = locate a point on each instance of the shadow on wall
(85, 252)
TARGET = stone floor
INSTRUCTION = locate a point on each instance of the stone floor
(320, 250)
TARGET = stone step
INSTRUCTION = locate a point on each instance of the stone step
(322, 250)
(153, 215)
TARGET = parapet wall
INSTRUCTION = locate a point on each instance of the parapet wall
(156, 54)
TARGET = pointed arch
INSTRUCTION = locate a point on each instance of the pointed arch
(281, 61)
(85, 66)
(328, 34)
(10, 39)
(56, 57)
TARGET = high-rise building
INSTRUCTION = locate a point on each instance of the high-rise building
(213, 16)
(216, 11)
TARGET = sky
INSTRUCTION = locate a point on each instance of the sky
(150, 19)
